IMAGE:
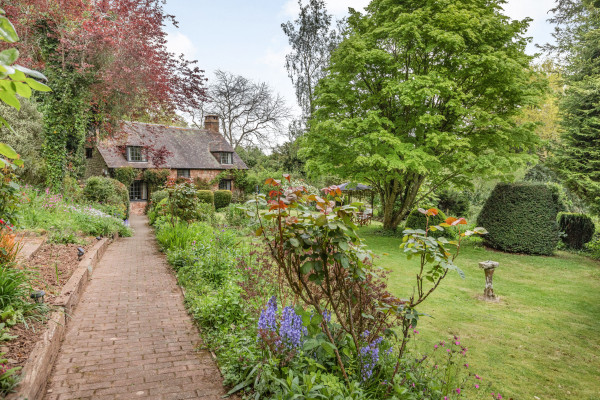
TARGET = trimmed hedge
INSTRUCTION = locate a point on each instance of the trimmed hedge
(520, 218)
(578, 229)
(417, 220)
(206, 196)
(107, 191)
(222, 198)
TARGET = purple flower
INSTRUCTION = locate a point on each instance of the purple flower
(369, 355)
(326, 316)
(291, 330)
(268, 317)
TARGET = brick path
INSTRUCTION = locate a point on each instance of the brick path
(130, 336)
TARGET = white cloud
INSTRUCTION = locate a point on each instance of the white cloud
(179, 43)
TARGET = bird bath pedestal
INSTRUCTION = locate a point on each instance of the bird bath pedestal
(489, 267)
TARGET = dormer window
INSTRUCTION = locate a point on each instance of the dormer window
(135, 154)
(227, 158)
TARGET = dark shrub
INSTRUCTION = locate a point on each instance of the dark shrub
(578, 229)
(417, 220)
(201, 184)
(125, 175)
(156, 178)
(206, 196)
(453, 202)
(520, 218)
(222, 198)
(107, 191)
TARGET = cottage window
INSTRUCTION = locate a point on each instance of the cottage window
(227, 158)
(183, 173)
(225, 184)
(135, 154)
(138, 191)
(89, 152)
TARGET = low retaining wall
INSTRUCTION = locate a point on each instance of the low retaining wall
(39, 365)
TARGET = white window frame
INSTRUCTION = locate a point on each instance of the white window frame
(228, 158)
(130, 153)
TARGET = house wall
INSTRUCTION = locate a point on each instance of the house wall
(205, 174)
(95, 166)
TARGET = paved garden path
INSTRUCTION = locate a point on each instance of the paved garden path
(130, 336)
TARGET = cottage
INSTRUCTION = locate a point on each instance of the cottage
(187, 152)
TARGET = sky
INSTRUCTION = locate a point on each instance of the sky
(245, 37)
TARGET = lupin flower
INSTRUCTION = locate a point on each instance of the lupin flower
(268, 317)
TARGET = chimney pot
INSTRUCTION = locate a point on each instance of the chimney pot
(211, 123)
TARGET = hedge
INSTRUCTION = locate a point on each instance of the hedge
(417, 220)
(578, 229)
(107, 191)
(222, 198)
(206, 196)
(520, 218)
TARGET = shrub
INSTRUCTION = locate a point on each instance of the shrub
(578, 229)
(222, 198)
(72, 190)
(183, 201)
(206, 196)
(156, 177)
(201, 184)
(418, 220)
(125, 175)
(206, 213)
(108, 191)
(454, 202)
(520, 218)
(157, 196)
(236, 216)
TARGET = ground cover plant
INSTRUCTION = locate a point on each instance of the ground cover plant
(66, 221)
(276, 340)
(528, 344)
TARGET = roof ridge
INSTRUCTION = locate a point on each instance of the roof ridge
(166, 126)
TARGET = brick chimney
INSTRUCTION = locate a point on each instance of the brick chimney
(211, 123)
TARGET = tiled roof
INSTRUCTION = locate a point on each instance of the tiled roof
(189, 148)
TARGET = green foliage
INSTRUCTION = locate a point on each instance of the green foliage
(395, 106)
(8, 378)
(158, 195)
(206, 196)
(235, 216)
(107, 191)
(26, 137)
(418, 220)
(125, 175)
(520, 218)
(66, 221)
(454, 202)
(222, 198)
(183, 202)
(72, 190)
(578, 157)
(203, 184)
(578, 229)
(156, 178)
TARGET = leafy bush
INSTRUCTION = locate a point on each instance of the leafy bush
(520, 218)
(222, 198)
(125, 175)
(454, 202)
(418, 220)
(236, 216)
(206, 196)
(202, 184)
(72, 190)
(578, 229)
(107, 191)
(158, 195)
(206, 213)
(156, 178)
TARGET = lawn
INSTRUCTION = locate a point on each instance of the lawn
(542, 339)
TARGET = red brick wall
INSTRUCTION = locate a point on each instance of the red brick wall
(205, 174)
(137, 207)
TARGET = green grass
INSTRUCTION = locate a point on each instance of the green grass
(541, 339)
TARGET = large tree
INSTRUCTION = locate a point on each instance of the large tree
(251, 113)
(577, 44)
(423, 91)
(106, 61)
(312, 38)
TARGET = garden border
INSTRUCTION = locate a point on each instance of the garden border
(40, 362)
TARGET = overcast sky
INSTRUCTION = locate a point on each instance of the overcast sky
(245, 37)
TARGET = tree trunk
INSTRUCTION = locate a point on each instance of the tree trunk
(400, 197)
